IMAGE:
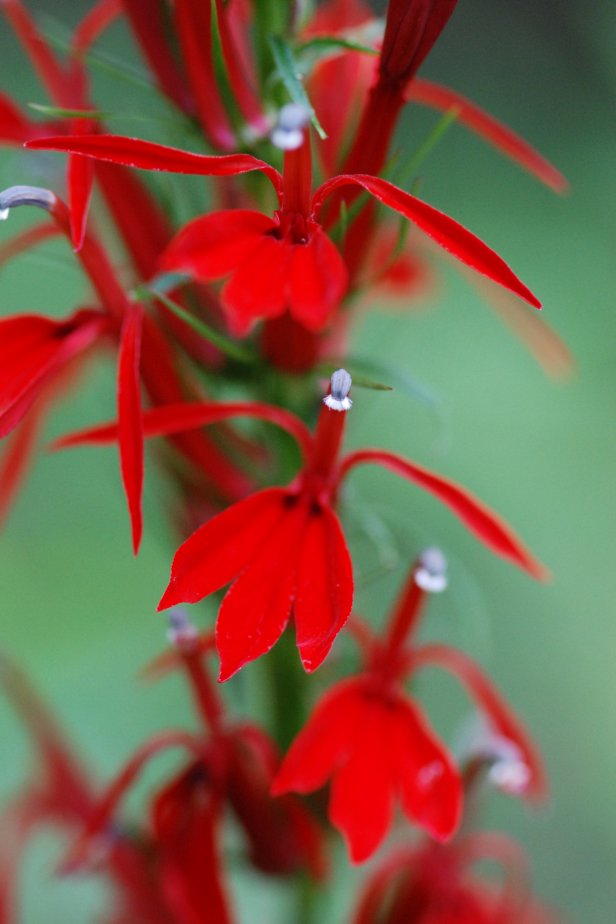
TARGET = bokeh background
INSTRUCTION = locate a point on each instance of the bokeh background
(77, 610)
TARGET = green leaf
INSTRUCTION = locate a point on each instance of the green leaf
(290, 74)
(428, 144)
(324, 46)
(57, 112)
(224, 344)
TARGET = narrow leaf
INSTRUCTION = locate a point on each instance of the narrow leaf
(288, 71)
(224, 344)
(490, 129)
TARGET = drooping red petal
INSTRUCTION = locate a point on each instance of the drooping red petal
(325, 742)
(17, 457)
(317, 281)
(185, 819)
(49, 71)
(26, 240)
(130, 424)
(257, 607)
(501, 717)
(15, 128)
(488, 127)
(146, 155)
(178, 418)
(31, 348)
(429, 783)
(194, 28)
(214, 245)
(324, 595)
(362, 794)
(94, 23)
(447, 233)
(220, 549)
(150, 26)
(259, 286)
(80, 182)
(106, 804)
(476, 516)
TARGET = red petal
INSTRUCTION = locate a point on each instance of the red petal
(429, 783)
(49, 71)
(489, 128)
(362, 794)
(476, 516)
(80, 181)
(178, 418)
(220, 549)
(325, 742)
(130, 426)
(14, 126)
(107, 803)
(502, 718)
(259, 286)
(94, 23)
(17, 458)
(27, 239)
(194, 29)
(151, 28)
(324, 588)
(447, 233)
(214, 245)
(318, 280)
(31, 348)
(256, 609)
(146, 155)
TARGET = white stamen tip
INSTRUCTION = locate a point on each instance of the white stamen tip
(512, 776)
(15, 196)
(431, 575)
(340, 386)
(181, 632)
(288, 133)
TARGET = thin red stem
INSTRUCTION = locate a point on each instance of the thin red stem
(297, 180)
(208, 702)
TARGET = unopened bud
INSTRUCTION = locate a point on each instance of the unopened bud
(431, 574)
(340, 386)
(15, 196)
(181, 632)
(288, 133)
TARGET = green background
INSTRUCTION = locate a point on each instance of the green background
(77, 609)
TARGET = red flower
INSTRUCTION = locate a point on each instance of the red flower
(288, 262)
(376, 748)
(437, 884)
(374, 744)
(283, 549)
(33, 349)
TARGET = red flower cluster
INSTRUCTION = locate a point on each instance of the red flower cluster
(278, 261)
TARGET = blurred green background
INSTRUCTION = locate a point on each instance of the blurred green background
(77, 609)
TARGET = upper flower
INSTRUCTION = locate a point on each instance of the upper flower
(286, 262)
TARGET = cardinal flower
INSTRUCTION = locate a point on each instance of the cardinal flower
(373, 742)
(283, 549)
(438, 884)
(286, 262)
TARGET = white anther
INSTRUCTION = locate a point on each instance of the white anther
(181, 632)
(431, 575)
(288, 133)
(511, 775)
(340, 386)
(15, 196)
